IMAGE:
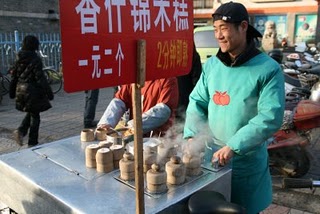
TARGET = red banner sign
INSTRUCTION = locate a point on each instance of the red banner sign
(99, 40)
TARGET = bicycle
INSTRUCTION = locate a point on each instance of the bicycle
(4, 84)
(54, 79)
(53, 76)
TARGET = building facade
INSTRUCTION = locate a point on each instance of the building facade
(296, 20)
(29, 16)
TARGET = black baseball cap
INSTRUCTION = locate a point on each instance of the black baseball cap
(234, 12)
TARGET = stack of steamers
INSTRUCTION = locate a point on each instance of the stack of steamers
(161, 164)
(104, 156)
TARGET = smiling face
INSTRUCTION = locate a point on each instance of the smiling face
(231, 37)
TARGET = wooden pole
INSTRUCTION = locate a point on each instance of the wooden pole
(137, 115)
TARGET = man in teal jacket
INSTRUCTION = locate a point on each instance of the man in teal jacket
(240, 95)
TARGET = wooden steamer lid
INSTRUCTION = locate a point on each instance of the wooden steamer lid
(104, 156)
(176, 171)
(90, 154)
(126, 165)
(104, 159)
(118, 151)
(156, 179)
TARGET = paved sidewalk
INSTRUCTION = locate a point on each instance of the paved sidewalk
(65, 119)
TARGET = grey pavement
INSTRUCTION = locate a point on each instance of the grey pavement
(65, 119)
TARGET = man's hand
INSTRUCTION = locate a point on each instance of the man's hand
(105, 126)
(224, 155)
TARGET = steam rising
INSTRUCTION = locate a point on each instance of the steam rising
(173, 140)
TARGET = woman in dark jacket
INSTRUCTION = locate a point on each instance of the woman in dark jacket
(31, 89)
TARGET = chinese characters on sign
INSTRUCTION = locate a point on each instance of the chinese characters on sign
(99, 40)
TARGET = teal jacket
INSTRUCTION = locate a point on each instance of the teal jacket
(243, 105)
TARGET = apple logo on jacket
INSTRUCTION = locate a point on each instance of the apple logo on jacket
(221, 98)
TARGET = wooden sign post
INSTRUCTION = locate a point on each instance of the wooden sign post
(137, 116)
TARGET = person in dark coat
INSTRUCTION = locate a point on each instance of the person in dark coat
(30, 88)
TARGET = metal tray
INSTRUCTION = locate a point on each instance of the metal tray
(170, 188)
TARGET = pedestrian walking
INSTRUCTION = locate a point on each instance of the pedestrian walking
(30, 88)
(92, 97)
(240, 95)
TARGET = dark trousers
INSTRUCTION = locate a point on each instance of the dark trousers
(92, 97)
(31, 122)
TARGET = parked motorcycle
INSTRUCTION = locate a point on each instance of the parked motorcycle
(305, 200)
(289, 147)
(302, 75)
(288, 183)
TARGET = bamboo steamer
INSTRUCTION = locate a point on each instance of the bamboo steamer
(157, 188)
(104, 156)
(126, 176)
(156, 179)
(116, 164)
(192, 163)
(126, 166)
(176, 171)
(118, 151)
(90, 154)
(101, 134)
(87, 135)
(104, 159)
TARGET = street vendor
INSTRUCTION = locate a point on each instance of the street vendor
(159, 100)
(240, 95)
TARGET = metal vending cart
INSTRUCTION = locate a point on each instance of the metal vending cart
(53, 178)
